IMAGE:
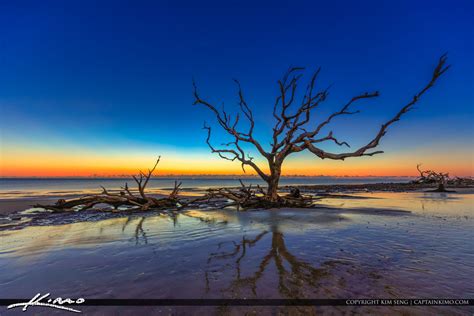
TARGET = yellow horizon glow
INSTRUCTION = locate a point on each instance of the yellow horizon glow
(48, 163)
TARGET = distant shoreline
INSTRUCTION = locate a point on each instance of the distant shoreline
(372, 187)
(171, 176)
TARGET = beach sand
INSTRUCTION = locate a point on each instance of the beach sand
(363, 244)
(18, 204)
(9, 206)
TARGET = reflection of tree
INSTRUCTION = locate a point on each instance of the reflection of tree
(239, 248)
(430, 203)
(139, 231)
(293, 273)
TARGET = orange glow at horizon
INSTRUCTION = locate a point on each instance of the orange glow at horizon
(49, 164)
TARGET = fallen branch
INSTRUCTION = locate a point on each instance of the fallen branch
(125, 198)
(430, 176)
(248, 197)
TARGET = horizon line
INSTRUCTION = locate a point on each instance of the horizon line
(203, 176)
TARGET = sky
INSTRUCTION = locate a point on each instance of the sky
(104, 87)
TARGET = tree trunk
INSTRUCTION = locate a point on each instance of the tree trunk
(441, 187)
(272, 191)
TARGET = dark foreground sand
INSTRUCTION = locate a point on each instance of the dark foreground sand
(364, 246)
(8, 206)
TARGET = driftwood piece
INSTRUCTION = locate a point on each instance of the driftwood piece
(132, 201)
(248, 197)
(442, 179)
(433, 177)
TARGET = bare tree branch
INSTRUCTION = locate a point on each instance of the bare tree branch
(123, 198)
(225, 122)
(291, 133)
(142, 178)
(234, 154)
(362, 151)
(430, 176)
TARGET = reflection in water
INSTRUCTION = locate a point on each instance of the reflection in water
(352, 251)
(292, 272)
(240, 249)
(140, 232)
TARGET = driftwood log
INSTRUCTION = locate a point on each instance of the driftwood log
(249, 197)
(433, 177)
(132, 200)
(443, 180)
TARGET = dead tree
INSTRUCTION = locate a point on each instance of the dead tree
(293, 131)
(430, 176)
(132, 200)
(247, 197)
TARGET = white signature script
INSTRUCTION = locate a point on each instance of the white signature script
(44, 301)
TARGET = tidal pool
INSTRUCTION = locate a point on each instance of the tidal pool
(379, 245)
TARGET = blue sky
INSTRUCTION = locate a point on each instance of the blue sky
(114, 77)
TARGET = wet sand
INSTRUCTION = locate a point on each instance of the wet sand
(15, 205)
(12, 204)
(9, 206)
(374, 245)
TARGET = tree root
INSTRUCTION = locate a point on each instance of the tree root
(247, 197)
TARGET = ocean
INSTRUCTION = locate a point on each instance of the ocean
(57, 186)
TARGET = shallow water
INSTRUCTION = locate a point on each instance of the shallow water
(29, 187)
(359, 248)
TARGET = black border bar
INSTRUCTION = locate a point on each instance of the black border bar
(263, 302)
